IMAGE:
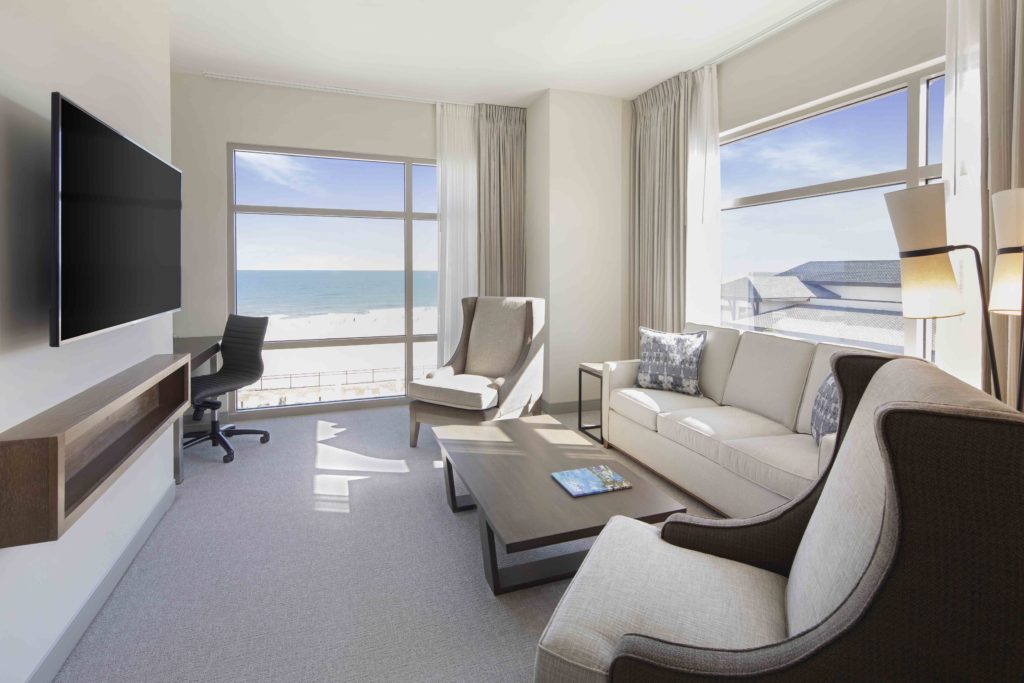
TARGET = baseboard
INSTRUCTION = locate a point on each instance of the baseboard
(54, 659)
(569, 406)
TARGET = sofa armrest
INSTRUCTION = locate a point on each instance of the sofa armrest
(645, 659)
(768, 541)
(616, 374)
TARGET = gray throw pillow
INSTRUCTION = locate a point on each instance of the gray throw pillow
(825, 412)
(670, 361)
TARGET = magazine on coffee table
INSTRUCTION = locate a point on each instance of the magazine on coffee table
(586, 481)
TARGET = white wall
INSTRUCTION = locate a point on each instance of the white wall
(538, 209)
(845, 45)
(209, 114)
(113, 58)
(577, 151)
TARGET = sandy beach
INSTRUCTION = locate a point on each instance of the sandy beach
(296, 376)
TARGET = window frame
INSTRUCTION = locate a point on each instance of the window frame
(916, 173)
(407, 216)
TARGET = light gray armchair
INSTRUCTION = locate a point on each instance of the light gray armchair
(496, 372)
(903, 562)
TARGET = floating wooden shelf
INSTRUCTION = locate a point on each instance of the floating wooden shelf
(58, 463)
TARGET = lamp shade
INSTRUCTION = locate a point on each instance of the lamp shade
(918, 218)
(1008, 274)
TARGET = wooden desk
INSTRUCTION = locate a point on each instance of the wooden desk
(203, 349)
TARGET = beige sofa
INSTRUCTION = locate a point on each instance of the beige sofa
(745, 446)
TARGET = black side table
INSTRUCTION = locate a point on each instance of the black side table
(594, 370)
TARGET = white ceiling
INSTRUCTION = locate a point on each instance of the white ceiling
(465, 50)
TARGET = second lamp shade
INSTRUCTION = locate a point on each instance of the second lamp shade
(1008, 216)
(918, 218)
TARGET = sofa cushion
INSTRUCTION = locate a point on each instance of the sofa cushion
(703, 429)
(820, 368)
(644, 405)
(786, 465)
(825, 414)
(670, 361)
(768, 376)
(633, 582)
(496, 335)
(716, 361)
(473, 392)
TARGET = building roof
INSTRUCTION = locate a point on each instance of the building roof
(858, 327)
(753, 287)
(879, 273)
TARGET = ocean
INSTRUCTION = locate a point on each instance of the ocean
(297, 293)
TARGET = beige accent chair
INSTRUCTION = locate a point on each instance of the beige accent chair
(496, 372)
(903, 562)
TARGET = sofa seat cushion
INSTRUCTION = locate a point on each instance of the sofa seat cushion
(644, 405)
(633, 582)
(704, 429)
(472, 392)
(786, 465)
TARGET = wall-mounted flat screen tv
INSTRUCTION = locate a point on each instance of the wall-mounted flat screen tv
(116, 237)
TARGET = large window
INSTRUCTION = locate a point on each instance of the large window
(341, 253)
(807, 247)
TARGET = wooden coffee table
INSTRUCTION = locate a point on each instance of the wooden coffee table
(507, 465)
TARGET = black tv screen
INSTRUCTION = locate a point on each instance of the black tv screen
(116, 242)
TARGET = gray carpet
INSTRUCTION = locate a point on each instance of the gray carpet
(300, 562)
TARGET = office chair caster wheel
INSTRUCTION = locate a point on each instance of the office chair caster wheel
(228, 458)
(265, 438)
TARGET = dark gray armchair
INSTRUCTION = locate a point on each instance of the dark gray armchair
(904, 562)
(496, 372)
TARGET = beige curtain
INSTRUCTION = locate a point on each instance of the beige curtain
(1003, 83)
(502, 199)
(674, 205)
(457, 217)
(983, 143)
(657, 250)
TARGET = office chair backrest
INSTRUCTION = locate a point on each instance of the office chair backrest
(241, 348)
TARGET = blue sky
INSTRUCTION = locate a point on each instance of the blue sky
(863, 139)
(275, 242)
(866, 138)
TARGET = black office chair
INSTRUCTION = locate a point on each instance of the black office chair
(241, 351)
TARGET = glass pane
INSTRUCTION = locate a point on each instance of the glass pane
(265, 179)
(424, 188)
(337, 373)
(321, 277)
(861, 139)
(825, 268)
(424, 277)
(936, 96)
(424, 358)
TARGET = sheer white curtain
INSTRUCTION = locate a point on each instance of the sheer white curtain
(457, 219)
(983, 153)
(674, 204)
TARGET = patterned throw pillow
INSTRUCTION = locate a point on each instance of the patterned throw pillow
(825, 413)
(670, 361)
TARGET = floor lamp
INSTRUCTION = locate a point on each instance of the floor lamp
(929, 287)
(1008, 275)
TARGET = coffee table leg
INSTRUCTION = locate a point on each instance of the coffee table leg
(518, 576)
(456, 502)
